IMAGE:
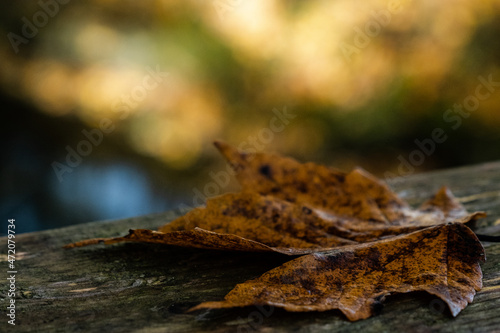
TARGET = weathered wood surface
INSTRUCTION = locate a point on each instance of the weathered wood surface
(136, 287)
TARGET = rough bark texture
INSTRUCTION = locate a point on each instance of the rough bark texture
(135, 287)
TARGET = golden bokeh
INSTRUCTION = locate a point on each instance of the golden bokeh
(230, 62)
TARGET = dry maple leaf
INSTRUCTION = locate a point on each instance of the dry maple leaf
(356, 197)
(248, 221)
(441, 260)
(295, 208)
(359, 240)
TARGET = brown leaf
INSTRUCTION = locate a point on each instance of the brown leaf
(197, 238)
(300, 208)
(274, 222)
(248, 221)
(357, 195)
(359, 240)
(241, 222)
(441, 260)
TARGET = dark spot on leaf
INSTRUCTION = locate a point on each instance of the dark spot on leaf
(302, 187)
(306, 210)
(265, 170)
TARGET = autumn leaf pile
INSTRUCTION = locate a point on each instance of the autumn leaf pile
(356, 241)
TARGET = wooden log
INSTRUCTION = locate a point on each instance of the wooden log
(148, 287)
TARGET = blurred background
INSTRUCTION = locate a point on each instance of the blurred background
(110, 108)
